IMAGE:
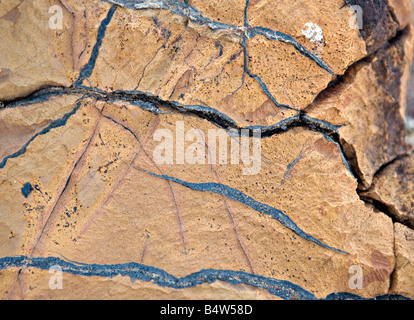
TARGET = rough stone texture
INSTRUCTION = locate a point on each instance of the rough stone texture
(341, 45)
(393, 187)
(106, 196)
(409, 123)
(92, 288)
(19, 125)
(80, 187)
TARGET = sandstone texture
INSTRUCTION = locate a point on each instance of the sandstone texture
(409, 116)
(391, 188)
(307, 194)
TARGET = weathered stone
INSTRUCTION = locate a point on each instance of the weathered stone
(108, 170)
(402, 278)
(184, 63)
(336, 39)
(194, 66)
(369, 116)
(229, 12)
(103, 288)
(117, 194)
(19, 125)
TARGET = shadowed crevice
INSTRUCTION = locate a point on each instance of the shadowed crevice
(54, 124)
(156, 105)
(379, 22)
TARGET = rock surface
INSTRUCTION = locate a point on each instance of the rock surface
(402, 279)
(109, 172)
(392, 187)
(368, 115)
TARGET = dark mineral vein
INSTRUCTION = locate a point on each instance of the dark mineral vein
(150, 103)
(281, 288)
(246, 17)
(136, 271)
(279, 36)
(175, 7)
(243, 43)
(269, 34)
(185, 10)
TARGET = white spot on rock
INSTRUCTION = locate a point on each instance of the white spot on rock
(313, 32)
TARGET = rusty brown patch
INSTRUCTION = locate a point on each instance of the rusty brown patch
(379, 22)
(268, 108)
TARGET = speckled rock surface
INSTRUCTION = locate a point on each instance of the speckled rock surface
(368, 115)
(110, 174)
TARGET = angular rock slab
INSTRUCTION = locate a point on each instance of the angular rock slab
(292, 222)
(402, 279)
(202, 59)
(19, 125)
(393, 186)
(164, 55)
(370, 117)
(53, 161)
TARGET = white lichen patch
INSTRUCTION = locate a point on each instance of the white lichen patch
(313, 32)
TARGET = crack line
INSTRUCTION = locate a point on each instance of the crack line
(150, 102)
(187, 11)
(136, 271)
(54, 124)
(239, 196)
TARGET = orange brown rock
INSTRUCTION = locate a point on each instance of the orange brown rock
(87, 112)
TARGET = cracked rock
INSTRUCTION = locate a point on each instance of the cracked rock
(402, 278)
(393, 187)
(371, 117)
(112, 192)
